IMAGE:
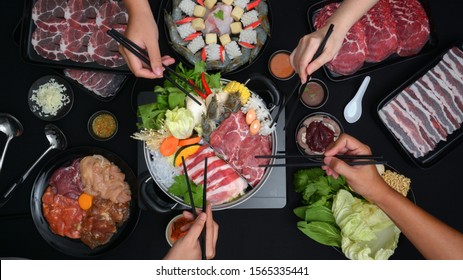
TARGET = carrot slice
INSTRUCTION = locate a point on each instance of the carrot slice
(189, 141)
(85, 201)
(168, 146)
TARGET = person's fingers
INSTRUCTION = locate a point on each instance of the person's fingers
(211, 233)
(347, 144)
(318, 62)
(167, 60)
(155, 59)
(135, 65)
(308, 50)
(337, 167)
(196, 228)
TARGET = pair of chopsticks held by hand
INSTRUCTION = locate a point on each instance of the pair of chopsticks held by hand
(143, 56)
(359, 160)
(193, 208)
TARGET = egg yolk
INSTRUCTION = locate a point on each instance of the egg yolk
(250, 116)
(254, 127)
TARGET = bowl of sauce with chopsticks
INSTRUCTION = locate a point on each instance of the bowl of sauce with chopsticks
(314, 94)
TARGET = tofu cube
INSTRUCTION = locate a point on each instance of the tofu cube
(227, 2)
(198, 24)
(199, 11)
(211, 38)
(209, 3)
(237, 13)
(236, 27)
(225, 39)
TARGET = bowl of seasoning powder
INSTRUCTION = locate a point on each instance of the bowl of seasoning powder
(102, 125)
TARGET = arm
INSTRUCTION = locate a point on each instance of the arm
(348, 13)
(433, 238)
(187, 247)
(143, 31)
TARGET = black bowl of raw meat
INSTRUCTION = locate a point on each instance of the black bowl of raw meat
(75, 247)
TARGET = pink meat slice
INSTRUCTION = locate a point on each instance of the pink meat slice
(49, 15)
(66, 180)
(380, 32)
(47, 44)
(82, 14)
(112, 14)
(101, 83)
(74, 44)
(104, 50)
(217, 25)
(412, 26)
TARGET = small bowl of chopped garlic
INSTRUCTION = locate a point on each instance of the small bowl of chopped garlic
(50, 98)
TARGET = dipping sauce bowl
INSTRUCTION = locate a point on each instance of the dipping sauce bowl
(314, 94)
(102, 125)
(279, 65)
(173, 232)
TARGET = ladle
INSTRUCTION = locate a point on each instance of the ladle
(12, 128)
(57, 141)
(353, 109)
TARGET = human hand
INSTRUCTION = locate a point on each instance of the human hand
(363, 179)
(143, 31)
(302, 55)
(188, 247)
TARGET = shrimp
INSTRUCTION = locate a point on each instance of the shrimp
(175, 38)
(238, 61)
(176, 12)
(261, 39)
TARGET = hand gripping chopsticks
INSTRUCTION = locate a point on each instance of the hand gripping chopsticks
(143, 56)
(365, 160)
(315, 56)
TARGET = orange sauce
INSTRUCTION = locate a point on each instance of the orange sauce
(104, 125)
(280, 65)
(177, 233)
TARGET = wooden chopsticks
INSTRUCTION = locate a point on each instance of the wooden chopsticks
(143, 56)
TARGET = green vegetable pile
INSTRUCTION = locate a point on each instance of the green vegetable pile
(334, 216)
(180, 188)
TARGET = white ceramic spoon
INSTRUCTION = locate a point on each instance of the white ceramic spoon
(353, 109)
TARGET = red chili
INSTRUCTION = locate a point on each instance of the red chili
(197, 91)
(201, 2)
(246, 45)
(192, 36)
(253, 4)
(185, 20)
(205, 85)
(203, 54)
(253, 25)
(221, 53)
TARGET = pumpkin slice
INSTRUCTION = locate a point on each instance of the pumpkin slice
(185, 151)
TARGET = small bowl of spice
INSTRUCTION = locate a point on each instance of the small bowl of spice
(279, 65)
(102, 125)
(314, 94)
(174, 229)
(50, 98)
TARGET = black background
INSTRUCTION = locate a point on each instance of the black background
(244, 234)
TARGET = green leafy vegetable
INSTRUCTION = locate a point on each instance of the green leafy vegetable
(322, 232)
(180, 189)
(180, 122)
(219, 14)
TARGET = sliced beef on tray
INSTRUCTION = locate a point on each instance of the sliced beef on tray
(105, 50)
(352, 54)
(223, 183)
(426, 112)
(412, 26)
(112, 14)
(101, 83)
(233, 141)
(47, 44)
(49, 15)
(380, 32)
(82, 14)
(74, 44)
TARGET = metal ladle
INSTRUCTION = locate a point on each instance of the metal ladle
(57, 141)
(12, 128)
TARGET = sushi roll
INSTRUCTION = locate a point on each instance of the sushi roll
(249, 17)
(187, 6)
(185, 30)
(248, 36)
(241, 3)
(213, 52)
(233, 50)
(196, 44)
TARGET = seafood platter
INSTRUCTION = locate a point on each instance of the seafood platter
(227, 34)
(229, 128)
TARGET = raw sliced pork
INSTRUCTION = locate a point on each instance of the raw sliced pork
(47, 44)
(49, 15)
(233, 141)
(74, 44)
(223, 183)
(82, 14)
(101, 83)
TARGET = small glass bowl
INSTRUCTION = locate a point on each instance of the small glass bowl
(281, 58)
(102, 125)
(170, 227)
(315, 94)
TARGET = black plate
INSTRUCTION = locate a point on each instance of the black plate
(167, 5)
(30, 55)
(369, 66)
(75, 247)
(63, 111)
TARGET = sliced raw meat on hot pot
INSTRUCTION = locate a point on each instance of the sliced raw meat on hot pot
(49, 15)
(101, 83)
(412, 26)
(112, 14)
(81, 14)
(218, 25)
(66, 180)
(74, 44)
(105, 50)
(380, 32)
(47, 44)
(233, 141)
(223, 183)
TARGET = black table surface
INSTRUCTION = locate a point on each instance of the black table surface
(244, 233)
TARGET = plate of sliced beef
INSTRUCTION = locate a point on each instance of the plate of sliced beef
(425, 114)
(390, 32)
(72, 33)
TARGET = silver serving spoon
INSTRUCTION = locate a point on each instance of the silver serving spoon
(12, 128)
(353, 109)
(57, 141)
